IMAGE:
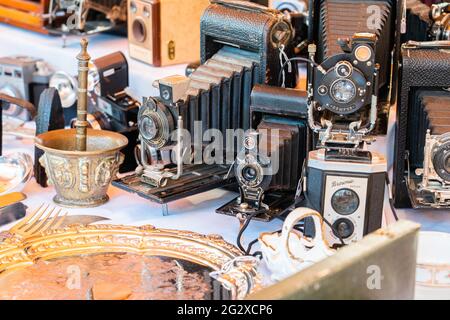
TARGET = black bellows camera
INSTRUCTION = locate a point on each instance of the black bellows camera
(242, 44)
(422, 149)
(350, 81)
(422, 152)
(269, 167)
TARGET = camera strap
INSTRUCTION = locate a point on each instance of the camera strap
(284, 59)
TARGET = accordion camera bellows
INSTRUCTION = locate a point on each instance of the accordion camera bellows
(336, 23)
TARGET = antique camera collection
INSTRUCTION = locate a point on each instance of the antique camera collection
(239, 119)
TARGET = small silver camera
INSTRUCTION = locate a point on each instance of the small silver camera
(436, 170)
(24, 78)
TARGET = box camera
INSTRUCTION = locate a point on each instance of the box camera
(241, 44)
(23, 78)
(269, 167)
(349, 195)
(86, 16)
(350, 78)
(165, 32)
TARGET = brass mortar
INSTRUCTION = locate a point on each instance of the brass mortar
(81, 162)
(81, 178)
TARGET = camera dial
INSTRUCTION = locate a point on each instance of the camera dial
(281, 34)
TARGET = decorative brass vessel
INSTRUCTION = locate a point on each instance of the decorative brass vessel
(81, 178)
(80, 162)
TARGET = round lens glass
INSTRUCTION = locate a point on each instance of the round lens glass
(249, 174)
(343, 91)
(149, 129)
(343, 228)
(345, 201)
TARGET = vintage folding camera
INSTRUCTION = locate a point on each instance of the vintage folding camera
(269, 167)
(350, 82)
(241, 45)
(165, 32)
(421, 163)
(425, 23)
(23, 78)
(86, 16)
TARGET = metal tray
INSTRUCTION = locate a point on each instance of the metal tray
(179, 264)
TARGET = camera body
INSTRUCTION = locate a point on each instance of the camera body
(351, 81)
(349, 195)
(23, 78)
(113, 108)
(270, 165)
(159, 32)
(342, 86)
(423, 121)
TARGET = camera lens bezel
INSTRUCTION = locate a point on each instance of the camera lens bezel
(440, 156)
(338, 210)
(164, 122)
(349, 223)
(324, 83)
(251, 161)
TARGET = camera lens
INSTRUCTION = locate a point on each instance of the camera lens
(441, 157)
(139, 30)
(249, 173)
(343, 228)
(343, 91)
(149, 129)
(345, 201)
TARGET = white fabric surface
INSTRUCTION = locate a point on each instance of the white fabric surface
(196, 213)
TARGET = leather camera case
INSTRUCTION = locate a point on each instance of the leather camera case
(250, 27)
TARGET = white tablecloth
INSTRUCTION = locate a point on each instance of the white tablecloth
(196, 213)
